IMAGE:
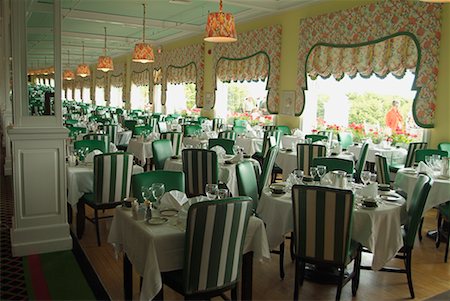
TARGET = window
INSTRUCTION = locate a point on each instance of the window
(100, 96)
(69, 94)
(116, 97)
(52, 82)
(63, 94)
(138, 96)
(181, 99)
(77, 94)
(87, 95)
(157, 98)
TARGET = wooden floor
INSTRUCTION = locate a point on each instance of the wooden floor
(431, 275)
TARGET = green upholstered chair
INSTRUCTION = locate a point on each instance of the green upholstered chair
(239, 130)
(139, 130)
(176, 138)
(284, 129)
(169, 119)
(162, 127)
(130, 124)
(112, 182)
(327, 133)
(267, 166)
(444, 214)
(314, 244)
(247, 182)
(162, 150)
(333, 163)
(70, 122)
(409, 230)
(269, 127)
(217, 124)
(207, 272)
(410, 156)
(101, 137)
(228, 135)
(172, 180)
(74, 131)
(227, 144)
(191, 130)
(239, 122)
(271, 138)
(316, 137)
(202, 119)
(422, 153)
(111, 131)
(444, 146)
(361, 163)
(306, 153)
(91, 145)
(382, 168)
(200, 167)
(153, 122)
(345, 139)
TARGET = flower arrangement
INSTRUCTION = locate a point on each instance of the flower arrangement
(357, 131)
(402, 137)
(251, 118)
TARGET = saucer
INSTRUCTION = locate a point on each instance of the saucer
(157, 221)
(168, 212)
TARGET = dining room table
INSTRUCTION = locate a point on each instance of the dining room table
(151, 249)
(250, 145)
(378, 229)
(394, 155)
(142, 148)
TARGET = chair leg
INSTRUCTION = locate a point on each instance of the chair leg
(80, 218)
(292, 246)
(408, 272)
(448, 239)
(69, 214)
(297, 278)
(420, 229)
(97, 228)
(340, 281)
(357, 269)
(282, 260)
(438, 233)
(234, 293)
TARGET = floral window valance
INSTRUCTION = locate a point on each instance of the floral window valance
(253, 68)
(141, 78)
(86, 82)
(393, 55)
(182, 74)
(117, 80)
(100, 82)
(157, 76)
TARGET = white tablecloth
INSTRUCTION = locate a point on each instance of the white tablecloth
(160, 248)
(250, 145)
(194, 142)
(392, 154)
(439, 192)
(288, 140)
(377, 229)
(140, 149)
(80, 180)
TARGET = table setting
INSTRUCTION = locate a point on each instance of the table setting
(394, 155)
(141, 147)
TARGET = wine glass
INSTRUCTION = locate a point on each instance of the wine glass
(222, 193)
(236, 149)
(211, 191)
(146, 193)
(158, 190)
(365, 177)
(321, 171)
(298, 175)
(313, 172)
(428, 160)
(373, 178)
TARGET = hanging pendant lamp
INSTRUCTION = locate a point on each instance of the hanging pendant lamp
(68, 74)
(105, 63)
(220, 27)
(83, 69)
(143, 52)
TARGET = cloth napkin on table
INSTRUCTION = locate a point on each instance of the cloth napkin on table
(173, 199)
(90, 157)
(298, 133)
(237, 158)
(220, 151)
(369, 191)
(423, 167)
(251, 134)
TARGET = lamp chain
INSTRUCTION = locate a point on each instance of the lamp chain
(83, 52)
(143, 31)
(220, 6)
(104, 49)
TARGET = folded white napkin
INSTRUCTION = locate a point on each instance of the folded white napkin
(297, 133)
(422, 167)
(173, 200)
(220, 151)
(90, 157)
(327, 179)
(369, 191)
(238, 158)
(251, 134)
(153, 136)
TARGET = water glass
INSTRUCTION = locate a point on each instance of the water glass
(211, 191)
(373, 178)
(365, 177)
(146, 193)
(428, 160)
(223, 193)
(298, 175)
(321, 171)
(313, 172)
(158, 190)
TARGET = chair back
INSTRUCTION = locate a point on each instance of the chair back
(162, 150)
(75, 130)
(361, 161)
(139, 130)
(284, 129)
(176, 138)
(306, 153)
(269, 127)
(239, 130)
(240, 122)
(228, 135)
(345, 139)
(200, 167)
(417, 203)
(162, 127)
(71, 122)
(322, 223)
(153, 121)
(333, 163)
(227, 144)
(247, 182)
(91, 145)
(217, 123)
(112, 177)
(191, 130)
(130, 124)
(267, 167)
(172, 180)
(444, 146)
(271, 138)
(125, 137)
(410, 156)
(382, 169)
(422, 153)
(316, 137)
(215, 236)
(329, 135)
(100, 137)
(111, 131)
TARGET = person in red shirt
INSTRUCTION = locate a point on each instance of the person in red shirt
(394, 118)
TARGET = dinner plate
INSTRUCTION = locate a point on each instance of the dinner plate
(390, 198)
(410, 171)
(168, 212)
(157, 221)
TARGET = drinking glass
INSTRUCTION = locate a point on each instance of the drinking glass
(298, 175)
(158, 190)
(313, 172)
(222, 193)
(321, 171)
(373, 178)
(146, 193)
(365, 177)
(211, 191)
(236, 149)
(428, 160)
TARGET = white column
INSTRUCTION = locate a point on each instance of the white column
(38, 147)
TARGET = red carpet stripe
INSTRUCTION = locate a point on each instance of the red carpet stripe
(38, 282)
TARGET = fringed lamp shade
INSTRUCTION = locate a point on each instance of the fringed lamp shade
(143, 53)
(68, 75)
(105, 63)
(83, 70)
(220, 27)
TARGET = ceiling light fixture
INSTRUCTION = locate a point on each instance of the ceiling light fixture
(220, 27)
(143, 52)
(83, 69)
(68, 74)
(105, 63)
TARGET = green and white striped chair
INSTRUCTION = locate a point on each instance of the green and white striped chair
(228, 135)
(306, 153)
(322, 233)
(361, 163)
(284, 129)
(99, 137)
(217, 123)
(111, 131)
(226, 144)
(333, 163)
(214, 242)
(444, 146)
(172, 180)
(91, 145)
(200, 167)
(269, 127)
(267, 167)
(422, 153)
(176, 138)
(382, 168)
(410, 156)
(162, 127)
(112, 182)
(316, 137)
(271, 138)
(130, 124)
